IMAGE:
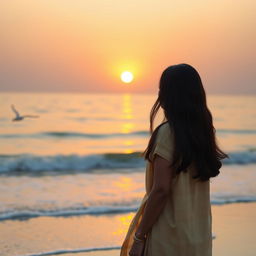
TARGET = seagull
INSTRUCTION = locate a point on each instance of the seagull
(18, 116)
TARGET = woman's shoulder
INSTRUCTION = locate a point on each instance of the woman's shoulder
(164, 143)
(164, 129)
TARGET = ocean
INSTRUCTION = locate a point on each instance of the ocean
(81, 156)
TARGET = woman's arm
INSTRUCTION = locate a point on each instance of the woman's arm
(157, 197)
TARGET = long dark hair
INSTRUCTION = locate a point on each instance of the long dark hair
(183, 99)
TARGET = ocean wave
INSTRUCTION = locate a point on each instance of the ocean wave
(28, 163)
(94, 135)
(232, 200)
(65, 134)
(69, 134)
(102, 210)
(241, 157)
(65, 251)
(236, 131)
(97, 210)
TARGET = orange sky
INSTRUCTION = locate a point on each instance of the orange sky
(84, 45)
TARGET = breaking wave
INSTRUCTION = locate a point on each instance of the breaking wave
(29, 163)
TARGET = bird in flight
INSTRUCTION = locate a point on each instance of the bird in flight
(18, 117)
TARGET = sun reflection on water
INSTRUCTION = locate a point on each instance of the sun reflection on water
(128, 124)
(124, 183)
(127, 113)
(123, 224)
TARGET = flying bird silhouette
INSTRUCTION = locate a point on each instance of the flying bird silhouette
(18, 117)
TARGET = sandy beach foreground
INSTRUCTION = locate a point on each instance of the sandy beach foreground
(234, 226)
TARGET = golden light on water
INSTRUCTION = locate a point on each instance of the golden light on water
(123, 224)
(124, 183)
(127, 77)
(127, 125)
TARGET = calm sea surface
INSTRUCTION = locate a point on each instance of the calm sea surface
(81, 155)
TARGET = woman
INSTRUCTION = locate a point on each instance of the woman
(174, 218)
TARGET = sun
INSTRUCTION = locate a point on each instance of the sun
(127, 77)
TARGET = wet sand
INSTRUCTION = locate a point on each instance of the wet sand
(234, 226)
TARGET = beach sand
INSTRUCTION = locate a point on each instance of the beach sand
(234, 226)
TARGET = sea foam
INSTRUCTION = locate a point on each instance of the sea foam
(27, 163)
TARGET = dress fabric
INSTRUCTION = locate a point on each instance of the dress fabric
(184, 227)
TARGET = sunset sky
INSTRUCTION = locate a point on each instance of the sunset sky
(84, 45)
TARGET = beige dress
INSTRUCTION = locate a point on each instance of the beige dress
(184, 226)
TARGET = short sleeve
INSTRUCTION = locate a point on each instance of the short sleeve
(164, 144)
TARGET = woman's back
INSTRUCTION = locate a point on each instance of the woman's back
(184, 226)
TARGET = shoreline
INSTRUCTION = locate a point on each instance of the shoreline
(233, 224)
